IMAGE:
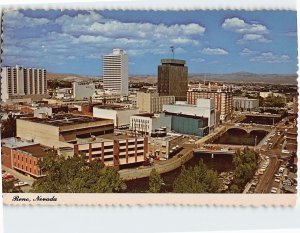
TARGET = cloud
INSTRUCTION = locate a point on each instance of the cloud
(90, 35)
(253, 38)
(95, 24)
(198, 60)
(247, 52)
(269, 57)
(238, 25)
(214, 51)
(15, 19)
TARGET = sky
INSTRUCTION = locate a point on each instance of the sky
(74, 42)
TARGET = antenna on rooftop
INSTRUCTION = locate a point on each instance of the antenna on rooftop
(173, 50)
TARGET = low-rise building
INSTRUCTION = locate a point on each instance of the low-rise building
(146, 123)
(188, 124)
(151, 102)
(60, 129)
(118, 113)
(165, 147)
(87, 136)
(203, 108)
(113, 150)
(24, 155)
(83, 90)
(245, 104)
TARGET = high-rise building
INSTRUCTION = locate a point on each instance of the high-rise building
(19, 82)
(172, 79)
(151, 102)
(221, 94)
(115, 71)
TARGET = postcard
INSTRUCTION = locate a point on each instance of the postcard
(126, 107)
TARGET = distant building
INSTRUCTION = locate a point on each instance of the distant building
(63, 93)
(151, 102)
(18, 83)
(83, 90)
(204, 108)
(104, 97)
(222, 95)
(24, 155)
(187, 124)
(119, 114)
(295, 104)
(146, 123)
(265, 94)
(115, 71)
(172, 79)
(245, 104)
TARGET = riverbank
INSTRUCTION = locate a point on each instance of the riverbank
(160, 166)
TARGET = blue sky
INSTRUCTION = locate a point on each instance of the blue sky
(210, 41)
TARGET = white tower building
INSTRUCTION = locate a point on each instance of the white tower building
(115, 71)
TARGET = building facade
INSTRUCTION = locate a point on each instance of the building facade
(146, 123)
(115, 152)
(115, 71)
(119, 114)
(24, 156)
(172, 79)
(86, 136)
(187, 124)
(151, 102)
(165, 147)
(203, 108)
(83, 90)
(245, 104)
(221, 94)
(19, 83)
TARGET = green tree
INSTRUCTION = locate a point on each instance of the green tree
(197, 179)
(246, 164)
(8, 128)
(155, 182)
(74, 175)
(274, 101)
(234, 189)
(9, 187)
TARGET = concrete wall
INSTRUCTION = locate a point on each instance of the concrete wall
(119, 117)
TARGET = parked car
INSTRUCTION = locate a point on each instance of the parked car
(20, 183)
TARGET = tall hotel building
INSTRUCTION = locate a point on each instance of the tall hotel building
(172, 79)
(221, 94)
(115, 71)
(19, 83)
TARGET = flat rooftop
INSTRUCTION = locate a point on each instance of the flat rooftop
(65, 119)
(37, 150)
(113, 107)
(145, 115)
(173, 61)
(185, 115)
(16, 142)
(105, 138)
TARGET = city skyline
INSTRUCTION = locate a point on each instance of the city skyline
(61, 40)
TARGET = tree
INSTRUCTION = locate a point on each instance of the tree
(197, 179)
(274, 101)
(246, 164)
(9, 126)
(234, 189)
(74, 175)
(155, 182)
(9, 187)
